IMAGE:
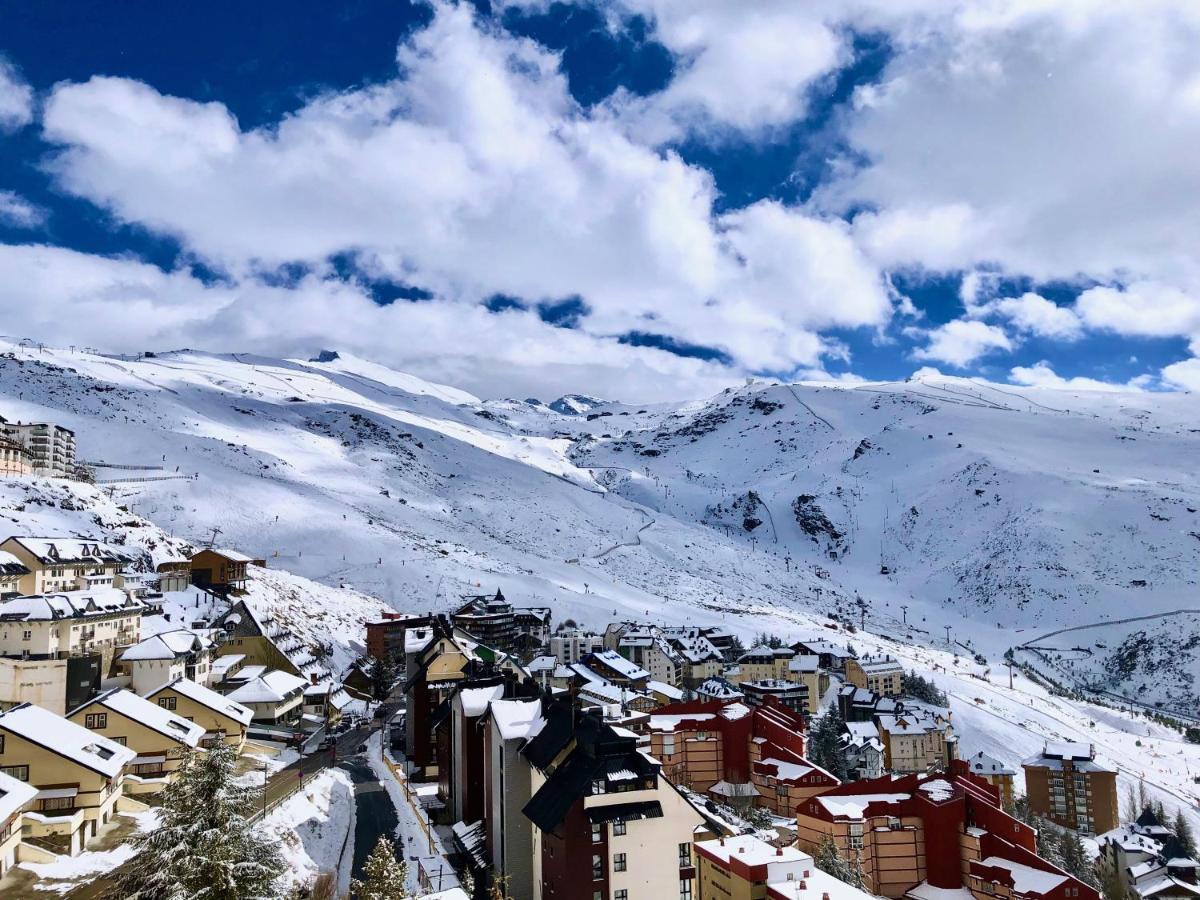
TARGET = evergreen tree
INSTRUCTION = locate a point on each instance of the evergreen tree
(1075, 858)
(830, 861)
(920, 688)
(383, 875)
(1183, 831)
(383, 676)
(825, 743)
(1047, 843)
(203, 847)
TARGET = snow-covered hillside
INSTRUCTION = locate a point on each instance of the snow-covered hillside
(944, 512)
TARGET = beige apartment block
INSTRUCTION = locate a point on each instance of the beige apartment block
(221, 718)
(16, 798)
(160, 737)
(65, 563)
(79, 774)
(74, 623)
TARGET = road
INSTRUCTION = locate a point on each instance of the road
(374, 814)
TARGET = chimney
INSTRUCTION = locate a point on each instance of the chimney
(742, 849)
(803, 885)
(779, 851)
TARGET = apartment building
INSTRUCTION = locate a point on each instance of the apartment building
(654, 654)
(224, 571)
(496, 622)
(830, 656)
(274, 697)
(744, 867)
(159, 737)
(12, 570)
(221, 718)
(436, 658)
(65, 563)
(881, 674)
(736, 753)
(917, 738)
(182, 653)
(612, 667)
(16, 798)
(1147, 859)
(14, 458)
(1066, 785)
(50, 447)
(922, 836)
(70, 624)
(791, 694)
(762, 663)
(571, 646)
(996, 774)
(79, 774)
(606, 822)
(509, 726)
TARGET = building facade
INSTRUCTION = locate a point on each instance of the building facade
(1066, 785)
(50, 447)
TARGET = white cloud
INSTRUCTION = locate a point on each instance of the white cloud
(472, 173)
(1032, 313)
(1144, 308)
(18, 212)
(1042, 375)
(16, 98)
(963, 341)
(127, 306)
(1184, 374)
(1049, 139)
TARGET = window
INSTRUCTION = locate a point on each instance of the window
(685, 855)
(619, 862)
(598, 786)
(597, 867)
(856, 837)
(668, 745)
(92, 721)
(685, 889)
(21, 773)
(597, 833)
(618, 829)
(1, 743)
(167, 702)
(123, 741)
(621, 894)
(27, 635)
(597, 895)
(58, 803)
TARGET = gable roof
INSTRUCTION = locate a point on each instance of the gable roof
(65, 738)
(167, 645)
(68, 605)
(52, 550)
(153, 716)
(10, 565)
(270, 687)
(206, 697)
(14, 794)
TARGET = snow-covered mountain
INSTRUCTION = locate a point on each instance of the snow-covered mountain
(939, 509)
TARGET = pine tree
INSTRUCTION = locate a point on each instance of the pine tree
(830, 861)
(1047, 843)
(384, 875)
(204, 848)
(1075, 858)
(921, 688)
(825, 743)
(383, 676)
(1183, 831)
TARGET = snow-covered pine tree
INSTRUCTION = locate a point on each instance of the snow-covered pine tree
(830, 861)
(383, 875)
(1047, 843)
(1183, 831)
(203, 847)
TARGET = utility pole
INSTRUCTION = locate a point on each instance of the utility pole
(1010, 675)
(904, 612)
(212, 541)
(947, 627)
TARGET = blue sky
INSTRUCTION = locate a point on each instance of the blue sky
(644, 198)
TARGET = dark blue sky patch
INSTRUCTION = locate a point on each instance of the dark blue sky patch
(595, 60)
(502, 302)
(934, 293)
(787, 164)
(563, 313)
(673, 345)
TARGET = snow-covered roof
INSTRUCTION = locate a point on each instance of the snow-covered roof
(517, 718)
(231, 555)
(853, 806)
(223, 664)
(68, 740)
(878, 665)
(274, 686)
(732, 789)
(207, 697)
(475, 700)
(14, 794)
(543, 664)
(1027, 879)
(1081, 757)
(620, 664)
(51, 550)
(804, 662)
(68, 605)
(661, 687)
(153, 716)
(10, 565)
(751, 850)
(982, 764)
(167, 645)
